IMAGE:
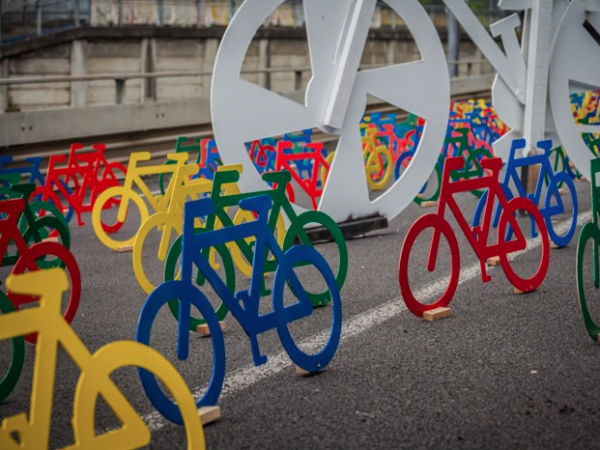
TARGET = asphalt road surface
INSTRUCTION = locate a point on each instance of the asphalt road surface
(504, 371)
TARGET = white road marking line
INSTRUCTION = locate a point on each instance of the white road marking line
(247, 376)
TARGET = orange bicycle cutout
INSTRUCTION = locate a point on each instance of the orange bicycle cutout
(32, 431)
(81, 181)
(125, 195)
(476, 236)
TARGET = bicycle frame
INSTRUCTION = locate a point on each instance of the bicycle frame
(315, 155)
(47, 287)
(135, 174)
(9, 232)
(546, 170)
(222, 202)
(476, 236)
(35, 175)
(244, 304)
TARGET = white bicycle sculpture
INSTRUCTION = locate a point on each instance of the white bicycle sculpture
(549, 63)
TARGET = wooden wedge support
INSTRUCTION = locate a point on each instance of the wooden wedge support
(553, 245)
(209, 414)
(561, 191)
(494, 261)
(520, 292)
(436, 314)
(52, 239)
(204, 331)
(302, 372)
(428, 204)
(125, 248)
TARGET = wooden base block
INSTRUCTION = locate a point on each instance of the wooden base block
(520, 292)
(204, 331)
(494, 261)
(553, 245)
(209, 414)
(125, 248)
(419, 195)
(428, 204)
(52, 239)
(561, 191)
(302, 372)
(436, 314)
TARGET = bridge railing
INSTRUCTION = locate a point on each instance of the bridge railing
(472, 67)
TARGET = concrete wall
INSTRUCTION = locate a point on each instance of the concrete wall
(143, 53)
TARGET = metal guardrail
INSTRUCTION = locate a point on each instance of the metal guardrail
(121, 79)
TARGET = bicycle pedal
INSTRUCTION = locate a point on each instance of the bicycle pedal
(209, 414)
(433, 315)
(205, 331)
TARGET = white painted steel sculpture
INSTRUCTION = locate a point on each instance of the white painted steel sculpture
(336, 96)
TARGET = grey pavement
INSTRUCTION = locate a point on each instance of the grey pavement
(504, 371)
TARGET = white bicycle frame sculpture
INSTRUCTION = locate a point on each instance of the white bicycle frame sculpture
(557, 56)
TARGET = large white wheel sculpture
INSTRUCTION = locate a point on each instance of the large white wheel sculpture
(575, 67)
(243, 112)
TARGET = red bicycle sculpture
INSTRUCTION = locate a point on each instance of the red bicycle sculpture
(476, 236)
(313, 152)
(41, 255)
(84, 177)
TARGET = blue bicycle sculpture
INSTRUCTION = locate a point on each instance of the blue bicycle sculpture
(244, 305)
(553, 204)
(32, 169)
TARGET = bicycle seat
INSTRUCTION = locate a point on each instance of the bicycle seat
(26, 189)
(260, 204)
(277, 177)
(227, 175)
(180, 158)
(493, 164)
(12, 207)
(40, 283)
(454, 163)
(517, 144)
(141, 156)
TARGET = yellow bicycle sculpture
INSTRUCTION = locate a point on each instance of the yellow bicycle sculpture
(378, 160)
(170, 223)
(18, 432)
(125, 195)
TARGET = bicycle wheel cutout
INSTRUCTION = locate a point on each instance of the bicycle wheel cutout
(415, 268)
(221, 261)
(315, 353)
(35, 258)
(332, 247)
(525, 271)
(200, 361)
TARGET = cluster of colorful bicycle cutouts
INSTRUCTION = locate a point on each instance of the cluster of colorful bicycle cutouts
(497, 208)
(211, 225)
